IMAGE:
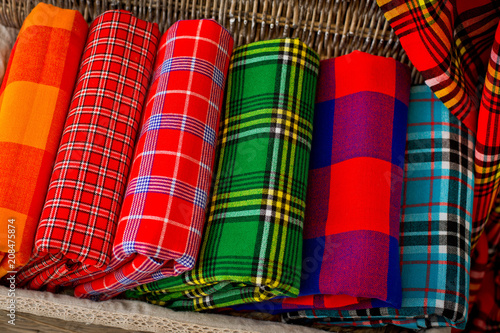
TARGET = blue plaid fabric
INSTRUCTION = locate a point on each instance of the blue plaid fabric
(436, 225)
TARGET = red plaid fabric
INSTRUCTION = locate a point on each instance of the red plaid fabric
(485, 269)
(79, 218)
(163, 213)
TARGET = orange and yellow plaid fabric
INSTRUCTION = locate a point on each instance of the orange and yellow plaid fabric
(34, 101)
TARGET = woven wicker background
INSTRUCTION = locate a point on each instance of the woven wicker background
(331, 27)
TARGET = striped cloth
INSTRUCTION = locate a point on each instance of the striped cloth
(163, 212)
(251, 249)
(34, 101)
(435, 224)
(75, 233)
(351, 229)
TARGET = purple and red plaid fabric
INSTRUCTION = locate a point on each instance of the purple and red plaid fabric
(351, 228)
(77, 225)
(163, 213)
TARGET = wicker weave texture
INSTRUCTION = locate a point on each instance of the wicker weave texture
(331, 27)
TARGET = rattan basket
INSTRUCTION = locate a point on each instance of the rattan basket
(331, 27)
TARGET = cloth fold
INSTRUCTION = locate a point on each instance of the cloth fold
(436, 217)
(252, 243)
(163, 213)
(351, 228)
(75, 232)
(34, 100)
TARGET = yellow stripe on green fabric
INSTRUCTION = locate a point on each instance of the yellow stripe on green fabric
(251, 212)
(275, 46)
(259, 192)
(240, 123)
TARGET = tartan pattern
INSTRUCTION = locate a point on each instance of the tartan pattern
(485, 270)
(163, 212)
(75, 232)
(435, 228)
(487, 182)
(449, 42)
(253, 237)
(34, 101)
(351, 252)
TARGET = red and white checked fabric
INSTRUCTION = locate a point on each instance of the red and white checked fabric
(78, 221)
(162, 217)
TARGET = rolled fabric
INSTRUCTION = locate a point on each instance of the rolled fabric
(34, 102)
(75, 233)
(436, 217)
(252, 243)
(351, 229)
(163, 213)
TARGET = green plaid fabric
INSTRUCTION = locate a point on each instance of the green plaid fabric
(252, 244)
